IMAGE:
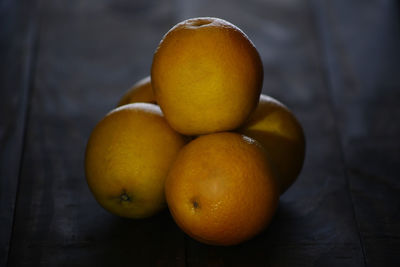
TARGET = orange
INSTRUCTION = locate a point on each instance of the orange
(221, 189)
(139, 92)
(279, 132)
(127, 159)
(206, 76)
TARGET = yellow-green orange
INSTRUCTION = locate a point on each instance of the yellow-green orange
(128, 156)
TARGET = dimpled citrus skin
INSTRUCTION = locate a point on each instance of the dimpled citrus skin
(127, 159)
(206, 76)
(221, 189)
(279, 132)
(139, 92)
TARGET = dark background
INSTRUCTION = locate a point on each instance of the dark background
(335, 63)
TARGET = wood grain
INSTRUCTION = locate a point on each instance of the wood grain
(17, 53)
(363, 62)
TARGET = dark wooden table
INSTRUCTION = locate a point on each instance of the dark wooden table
(335, 63)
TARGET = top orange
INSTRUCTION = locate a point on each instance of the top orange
(207, 76)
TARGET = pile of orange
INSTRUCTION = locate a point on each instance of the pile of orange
(199, 137)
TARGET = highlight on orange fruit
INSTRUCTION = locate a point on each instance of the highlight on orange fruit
(141, 91)
(221, 189)
(127, 159)
(280, 133)
(206, 76)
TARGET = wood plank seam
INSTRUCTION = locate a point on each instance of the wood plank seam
(320, 16)
(28, 74)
